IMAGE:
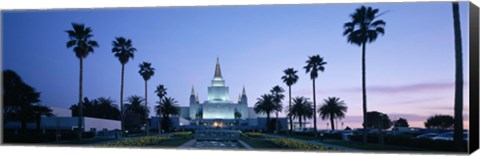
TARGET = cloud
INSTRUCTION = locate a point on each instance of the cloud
(405, 88)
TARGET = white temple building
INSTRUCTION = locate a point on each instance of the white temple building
(219, 110)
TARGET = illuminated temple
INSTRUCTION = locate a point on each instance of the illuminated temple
(218, 110)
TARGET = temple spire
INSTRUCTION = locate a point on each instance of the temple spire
(243, 91)
(218, 73)
(193, 91)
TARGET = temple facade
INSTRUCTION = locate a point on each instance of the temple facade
(218, 104)
(218, 110)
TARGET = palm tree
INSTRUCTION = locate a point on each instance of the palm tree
(123, 50)
(134, 108)
(108, 109)
(301, 109)
(314, 65)
(161, 91)
(237, 115)
(147, 72)
(166, 108)
(265, 104)
(278, 96)
(364, 28)
(332, 108)
(290, 78)
(79, 39)
(458, 108)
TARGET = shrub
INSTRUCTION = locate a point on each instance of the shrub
(292, 144)
(254, 134)
(143, 141)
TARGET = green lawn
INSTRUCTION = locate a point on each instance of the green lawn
(83, 141)
(259, 143)
(173, 142)
(372, 147)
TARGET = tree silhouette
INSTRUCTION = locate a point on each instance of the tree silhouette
(332, 108)
(161, 92)
(440, 121)
(301, 109)
(147, 71)
(277, 93)
(103, 108)
(265, 104)
(314, 65)
(364, 28)
(165, 108)
(401, 123)
(134, 112)
(378, 120)
(289, 79)
(123, 50)
(80, 40)
(458, 108)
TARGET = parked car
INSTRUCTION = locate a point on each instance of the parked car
(427, 135)
(449, 136)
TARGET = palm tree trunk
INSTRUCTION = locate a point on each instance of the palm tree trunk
(146, 108)
(276, 122)
(458, 126)
(121, 101)
(364, 95)
(290, 106)
(331, 121)
(314, 110)
(300, 121)
(268, 122)
(80, 103)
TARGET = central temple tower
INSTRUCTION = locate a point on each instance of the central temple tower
(218, 92)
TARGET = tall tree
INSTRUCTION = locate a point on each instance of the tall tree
(458, 126)
(80, 40)
(364, 28)
(289, 79)
(123, 50)
(265, 105)
(301, 108)
(166, 108)
(332, 108)
(277, 93)
(20, 100)
(314, 65)
(161, 92)
(147, 71)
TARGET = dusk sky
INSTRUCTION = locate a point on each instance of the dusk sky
(410, 70)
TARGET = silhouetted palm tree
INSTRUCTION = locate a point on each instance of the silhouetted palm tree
(123, 50)
(165, 108)
(278, 96)
(107, 108)
(161, 91)
(134, 109)
(265, 104)
(290, 78)
(364, 28)
(147, 71)
(79, 39)
(301, 109)
(332, 108)
(314, 65)
(458, 126)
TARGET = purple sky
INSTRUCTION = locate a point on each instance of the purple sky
(410, 70)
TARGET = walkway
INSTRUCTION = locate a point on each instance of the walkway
(316, 143)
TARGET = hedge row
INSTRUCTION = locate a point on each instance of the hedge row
(437, 145)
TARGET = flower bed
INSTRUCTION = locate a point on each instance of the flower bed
(181, 134)
(292, 144)
(143, 141)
